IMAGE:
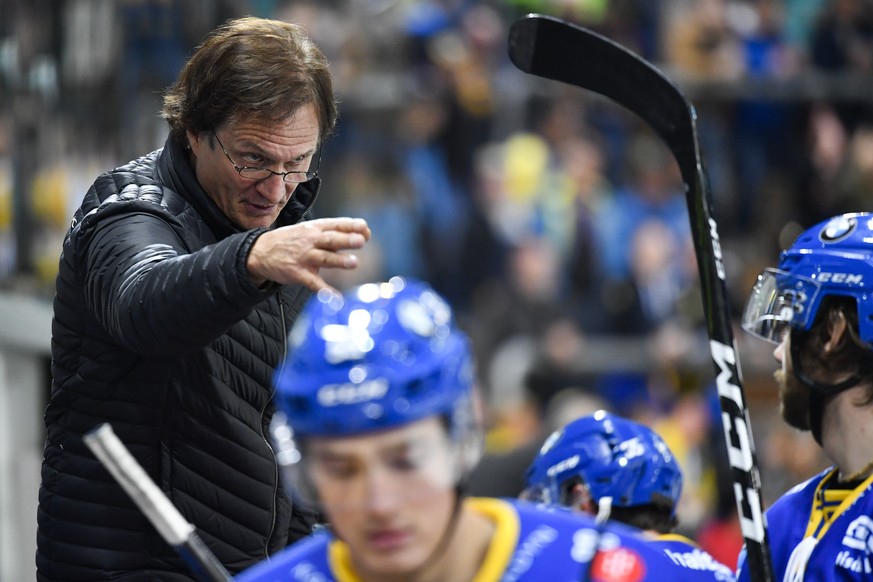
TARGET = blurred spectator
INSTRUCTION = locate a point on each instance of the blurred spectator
(373, 187)
(639, 231)
(554, 398)
(762, 154)
(441, 205)
(701, 43)
(153, 49)
(584, 165)
(798, 23)
(842, 42)
(853, 180)
(525, 302)
(686, 430)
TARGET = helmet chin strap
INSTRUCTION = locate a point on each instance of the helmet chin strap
(604, 508)
(821, 390)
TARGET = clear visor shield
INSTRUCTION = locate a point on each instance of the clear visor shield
(542, 493)
(369, 471)
(779, 301)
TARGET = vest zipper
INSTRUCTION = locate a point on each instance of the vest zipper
(266, 438)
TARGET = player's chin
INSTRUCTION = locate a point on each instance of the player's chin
(396, 564)
(397, 552)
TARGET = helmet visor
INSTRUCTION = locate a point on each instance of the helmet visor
(779, 301)
(540, 493)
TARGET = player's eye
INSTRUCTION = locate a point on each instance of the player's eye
(404, 463)
(335, 467)
(339, 470)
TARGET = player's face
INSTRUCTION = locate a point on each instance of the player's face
(281, 147)
(793, 396)
(389, 496)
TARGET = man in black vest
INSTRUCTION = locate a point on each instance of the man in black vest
(179, 279)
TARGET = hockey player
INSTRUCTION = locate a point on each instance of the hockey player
(380, 430)
(619, 469)
(816, 307)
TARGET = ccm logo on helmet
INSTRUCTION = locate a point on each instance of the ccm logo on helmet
(847, 278)
(563, 466)
(337, 394)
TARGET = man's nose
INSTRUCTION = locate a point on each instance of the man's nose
(275, 189)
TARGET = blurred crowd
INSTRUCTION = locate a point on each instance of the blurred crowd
(555, 222)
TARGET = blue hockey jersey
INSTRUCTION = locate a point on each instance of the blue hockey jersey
(530, 544)
(819, 534)
(686, 554)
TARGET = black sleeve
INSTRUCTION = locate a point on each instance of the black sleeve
(155, 297)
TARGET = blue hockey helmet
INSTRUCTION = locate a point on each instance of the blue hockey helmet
(617, 459)
(833, 258)
(379, 356)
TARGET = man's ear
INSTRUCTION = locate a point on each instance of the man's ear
(837, 330)
(198, 141)
(582, 500)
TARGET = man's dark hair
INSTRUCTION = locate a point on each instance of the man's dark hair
(852, 354)
(646, 517)
(250, 68)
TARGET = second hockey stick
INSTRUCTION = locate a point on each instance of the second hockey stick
(560, 51)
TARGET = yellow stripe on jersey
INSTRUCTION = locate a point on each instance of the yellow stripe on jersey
(497, 558)
(341, 562)
(674, 537)
(504, 541)
(828, 504)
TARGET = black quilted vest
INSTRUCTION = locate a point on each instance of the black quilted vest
(158, 331)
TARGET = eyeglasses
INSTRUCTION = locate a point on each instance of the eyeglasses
(293, 177)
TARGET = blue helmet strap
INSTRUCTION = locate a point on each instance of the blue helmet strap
(821, 390)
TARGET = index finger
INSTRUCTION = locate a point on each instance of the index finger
(345, 224)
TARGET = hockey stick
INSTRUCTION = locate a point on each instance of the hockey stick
(172, 526)
(560, 51)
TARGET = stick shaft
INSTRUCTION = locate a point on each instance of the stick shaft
(156, 506)
(553, 49)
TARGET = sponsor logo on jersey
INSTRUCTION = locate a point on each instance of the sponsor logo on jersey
(700, 560)
(528, 550)
(307, 572)
(610, 561)
(859, 541)
(618, 565)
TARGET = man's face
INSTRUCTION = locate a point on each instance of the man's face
(794, 397)
(389, 496)
(281, 147)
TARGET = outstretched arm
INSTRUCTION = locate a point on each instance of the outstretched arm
(296, 253)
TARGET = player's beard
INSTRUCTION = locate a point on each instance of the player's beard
(794, 399)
